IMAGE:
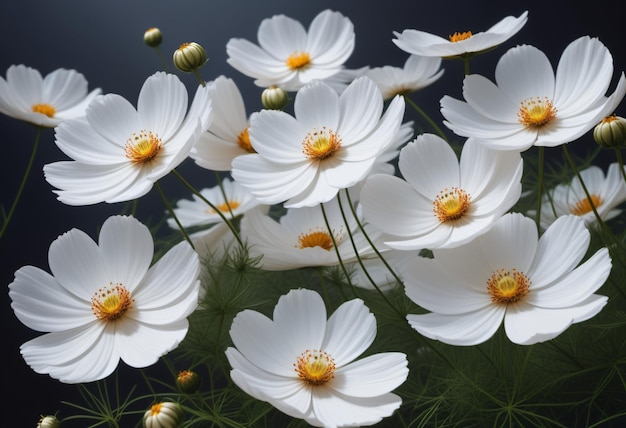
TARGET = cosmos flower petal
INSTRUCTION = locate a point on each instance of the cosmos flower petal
(88, 264)
(522, 73)
(466, 329)
(338, 410)
(489, 100)
(526, 324)
(77, 139)
(371, 376)
(282, 35)
(140, 345)
(162, 104)
(113, 117)
(439, 290)
(42, 304)
(575, 286)
(287, 392)
(301, 319)
(560, 249)
(258, 339)
(361, 107)
(352, 329)
(307, 107)
(72, 356)
(330, 39)
(127, 247)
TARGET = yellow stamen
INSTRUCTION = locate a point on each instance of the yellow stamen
(508, 286)
(451, 204)
(583, 206)
(536, 112)
(225, 207)
(111, 303)
(142, 148)
(457, 37)
(156, 409)
(320, 145)
(315, 367)
(243, 140)
(315, 238)
(45, 109)
(298, 60)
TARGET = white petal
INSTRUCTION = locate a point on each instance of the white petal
(350, 331)
(372, 376)
(527, 325)
(162, 104)
(460, 330)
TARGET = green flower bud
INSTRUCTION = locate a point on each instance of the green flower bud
(188, 381)
(189, 57)
(153, 37)
(274, 98)
(165, 414)
(611, 132)
(49, 422)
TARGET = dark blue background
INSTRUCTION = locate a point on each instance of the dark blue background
(104, 41)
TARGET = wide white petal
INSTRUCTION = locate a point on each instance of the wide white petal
(162, 104)
(78, 140)
(461, 330)
(488, 99)
(351, 330)
(42, 304)
(361, 108)
(526, 324)
(372, 376)
(113, 117)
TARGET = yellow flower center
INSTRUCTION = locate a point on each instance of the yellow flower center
(315, 367)
(142, 148)
(584, 206)
(457, 37)
(111, 303)
(315, 238)
(508, 286)
(319, 145)
(243, 140)
(298, 60)
(536, 112)
(45, 109)
(225, 207)
(451, 204)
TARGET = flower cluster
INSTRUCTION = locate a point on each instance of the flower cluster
(422, 244)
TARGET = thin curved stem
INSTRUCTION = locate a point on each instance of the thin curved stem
(206, 201)
(173, 214)
(20, 190)
(427, 117)
(620, 161)
(540, 162)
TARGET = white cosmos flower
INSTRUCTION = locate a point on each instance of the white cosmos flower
(304, 365)
(331, 143)
(118, 151)
(530, 105)
(607, 193)
(288, 56)
(418, 72)
(444, 202)
(197, 212)
(301, 238)
(103, 302)
(44, 101)
(508, 274)
(459, 44)
(227, 136)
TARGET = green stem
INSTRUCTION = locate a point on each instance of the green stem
(173, 214)
(226, 200)
(206, 201)
(332, 237)
(200, 79)
(360, 261)
(7, 219)
(160, 54)
(601, 223)
(620, 161)
(427, 117)
(466, 64)
(540, 161)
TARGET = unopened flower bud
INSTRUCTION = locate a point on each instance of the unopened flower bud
(188, 381)
(153, 37)
(189, 57)
(611, 132)
(274, 98)
(166, 414)
(49, 422)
